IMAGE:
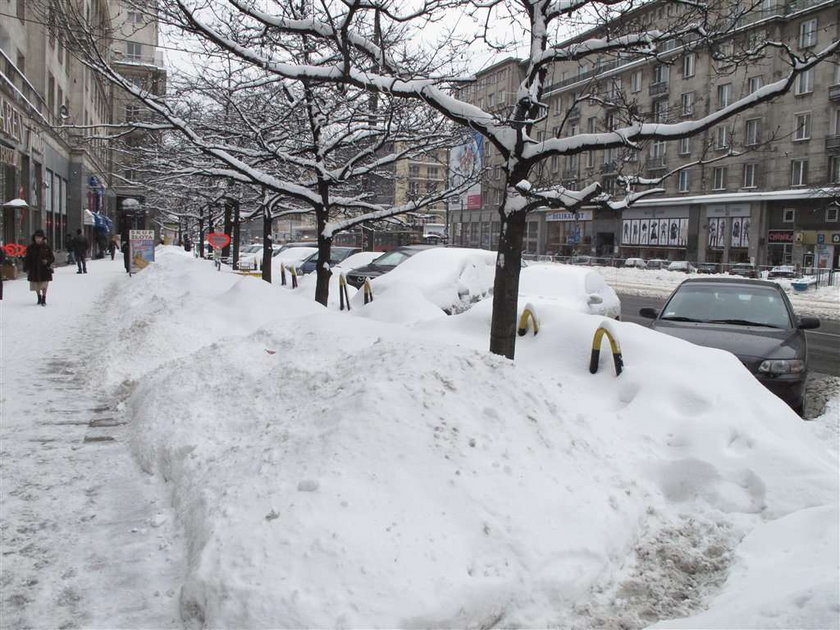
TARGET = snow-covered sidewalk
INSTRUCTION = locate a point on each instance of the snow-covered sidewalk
(87, 537)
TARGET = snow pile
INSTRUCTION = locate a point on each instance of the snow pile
(332, 470)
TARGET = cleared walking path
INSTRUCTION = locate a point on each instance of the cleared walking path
(87, 540)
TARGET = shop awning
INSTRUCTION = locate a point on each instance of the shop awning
(16, 203)
(89, 219)
(102, 223)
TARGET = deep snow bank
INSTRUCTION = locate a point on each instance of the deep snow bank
(336, 471)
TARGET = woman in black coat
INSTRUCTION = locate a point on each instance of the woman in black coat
(38, 262)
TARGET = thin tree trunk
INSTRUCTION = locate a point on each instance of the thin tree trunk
(506, 285)
(322, 286)
(267, 248)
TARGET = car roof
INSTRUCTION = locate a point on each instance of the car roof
(724, 280)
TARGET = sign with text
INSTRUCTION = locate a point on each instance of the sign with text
(141, 249)
(583, 215)
(780, 236)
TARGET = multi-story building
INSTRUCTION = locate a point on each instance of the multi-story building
(136, 55)
(768, 186)
(55, 164)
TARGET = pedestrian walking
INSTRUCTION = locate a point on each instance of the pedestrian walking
(112, 248)
(68, 247)
(126, 257)
(80, 248)
(2, 260)
(38, 264)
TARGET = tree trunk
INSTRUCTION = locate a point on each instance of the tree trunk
(506, 284)
(236, 230)
(228, 227)
(322, 286)
(267, 249)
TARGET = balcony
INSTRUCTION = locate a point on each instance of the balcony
(574, 113)
(659, 88)
(834, 92)
(655, 162)
(832, 145)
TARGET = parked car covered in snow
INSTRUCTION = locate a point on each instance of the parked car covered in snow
(683, 266)
(708, 267)
(383, 264)
(745, 270)
(657, 263)
(291, 257)
(782, 271)
(638, 263)
(583, 290)
(337, 254)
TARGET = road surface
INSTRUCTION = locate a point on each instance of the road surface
(823, 343)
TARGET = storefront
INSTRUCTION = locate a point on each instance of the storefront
(728, 232)
(655, 233)
(568, 233)
(779, 247)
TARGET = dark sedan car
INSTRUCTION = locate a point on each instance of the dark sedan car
(745, 270)
(752, 319)
(708, 267)
(337, 254)
(383, 264)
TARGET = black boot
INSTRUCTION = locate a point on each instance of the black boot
(40, 298)
(44, 300)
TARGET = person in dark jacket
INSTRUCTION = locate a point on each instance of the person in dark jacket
(112, 248)
(2, 260)
(126, 252)
(38, 262)
(68, 246)
(80, 247)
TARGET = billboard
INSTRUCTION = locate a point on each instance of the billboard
(736, 230)
(662, 232)
(141, 249)
(466, 162)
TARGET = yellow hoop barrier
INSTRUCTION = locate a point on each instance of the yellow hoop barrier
(368, 291)
(342, 292)
(293, 271)
(527, 318)
(283, 275)
(596, 350)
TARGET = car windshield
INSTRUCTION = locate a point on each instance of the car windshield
(390, 259)
(728, 304)
(252, 249)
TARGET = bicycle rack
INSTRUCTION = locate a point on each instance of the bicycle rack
(527, 318)
(600, 333)
(344, 298)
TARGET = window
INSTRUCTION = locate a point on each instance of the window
(750, 175)
(685, 181)
(636, 81)
(50, 92)
(660, 74)
(802, 126)
(609, 121)
(687, 103)
(724, 95)
(433, 172)
(590, 159)
(722, 137)
(835, 125)
(132, 112)
(134, 17)
(615, 89)
(808, 33)
(133, 51)
(21, 63)
(590, 124)
(719, 178)
(834, 169)
(657, 149)
(798, 172)
(788, 215)
(805, 82)
(685, 146)
(831, 215)
(688, 64)
(660, 111)
(413, 170)
(754, 84)
(752, 135)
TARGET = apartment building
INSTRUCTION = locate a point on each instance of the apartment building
(136, 55)
(56, 167)
(770, 184)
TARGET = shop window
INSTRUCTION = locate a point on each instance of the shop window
(788, 215)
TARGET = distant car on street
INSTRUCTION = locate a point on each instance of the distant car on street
(638, 263)
(582, 260)
(708, 267)
(657, 263)
(752, 319)
(745, 270)
(682, 265)
(782, 271)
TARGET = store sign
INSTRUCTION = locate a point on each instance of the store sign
(11, 120)
(9, 156)
(835, 238)
(583, 215)
(780, 236)
(141, 249)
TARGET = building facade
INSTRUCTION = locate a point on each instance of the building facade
(56, 166)
(768, 189)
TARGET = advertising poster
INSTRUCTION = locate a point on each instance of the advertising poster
(625, 232)
(634, 231)
(654, 232)
(717, 232)
(683, 241)
(465, 162)
(141, 249)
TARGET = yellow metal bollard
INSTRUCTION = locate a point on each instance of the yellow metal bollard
(528, 317)
(368, 291)
(596, 350)
(344, 298)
